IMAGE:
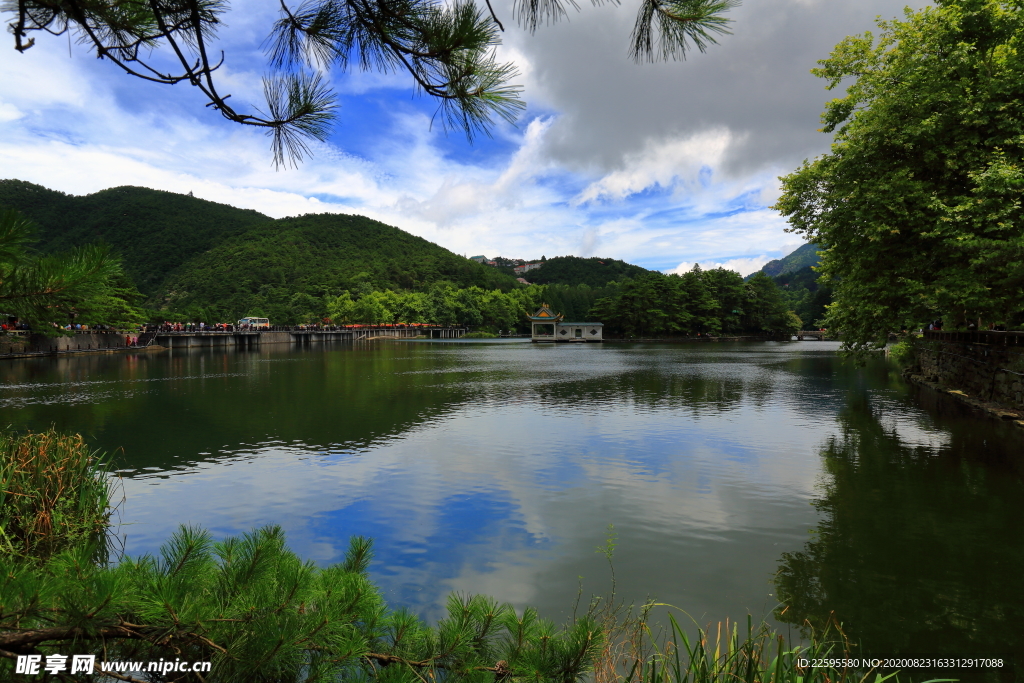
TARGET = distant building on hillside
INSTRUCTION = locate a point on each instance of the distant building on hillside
(548, 326)
(478, 259)
(527, 267)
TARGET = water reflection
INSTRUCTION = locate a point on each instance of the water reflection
(162, 412)
(920, 545)
(496, 468)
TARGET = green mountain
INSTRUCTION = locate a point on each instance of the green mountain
(189, 254)
(805, 256)
(155, 232)
(574, 270)
(317, 255)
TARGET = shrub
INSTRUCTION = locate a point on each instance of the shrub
(54, 494)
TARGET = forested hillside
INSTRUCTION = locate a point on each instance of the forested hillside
(313, 256)
(804, 295)
(154, 232)
(574, 270)
(803, 257)
(197, 260)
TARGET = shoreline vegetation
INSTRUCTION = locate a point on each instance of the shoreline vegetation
(258, 612)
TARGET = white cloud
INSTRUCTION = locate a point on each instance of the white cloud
(8, 112)
(663, 163)
(743, 266)
(619, 160)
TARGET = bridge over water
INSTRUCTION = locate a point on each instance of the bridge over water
(26, 344)
(175, 339)
(820, 335)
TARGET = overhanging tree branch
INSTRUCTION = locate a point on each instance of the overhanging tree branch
(448, 50)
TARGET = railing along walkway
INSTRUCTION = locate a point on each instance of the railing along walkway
(991, 337)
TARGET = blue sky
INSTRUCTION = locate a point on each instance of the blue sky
(662, 165)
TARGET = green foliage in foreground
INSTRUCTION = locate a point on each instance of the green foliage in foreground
(52, 495)
(259, 613)
(918, 203)
(83, 285)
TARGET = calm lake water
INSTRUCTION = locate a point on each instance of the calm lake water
(736, 475)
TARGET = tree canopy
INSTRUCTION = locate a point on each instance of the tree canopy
(917, 206)
(447, 48)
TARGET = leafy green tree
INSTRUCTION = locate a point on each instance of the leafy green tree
(374, 308)
(699, 302)
(413, 307)
(305, 309)
(257, 612)
(448, 49)
(499, 310)
(442, 305)
(917, 207)
(649, 305)
(341, 308)
(468, 302)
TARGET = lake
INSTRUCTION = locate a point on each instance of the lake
(740, 478)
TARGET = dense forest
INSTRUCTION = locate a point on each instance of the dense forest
(574, 270)
(699, 302)
(262, 270)
(195, 260)
(154, 232)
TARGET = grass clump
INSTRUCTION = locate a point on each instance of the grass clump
(634, 649)
(54, 494)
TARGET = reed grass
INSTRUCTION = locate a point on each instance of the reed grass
(638, 650)
(54, 494)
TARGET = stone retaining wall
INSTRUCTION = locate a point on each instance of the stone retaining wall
(37, 343)
(982, 371)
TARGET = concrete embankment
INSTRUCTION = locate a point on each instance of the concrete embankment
(983, 369)
(25, 344)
